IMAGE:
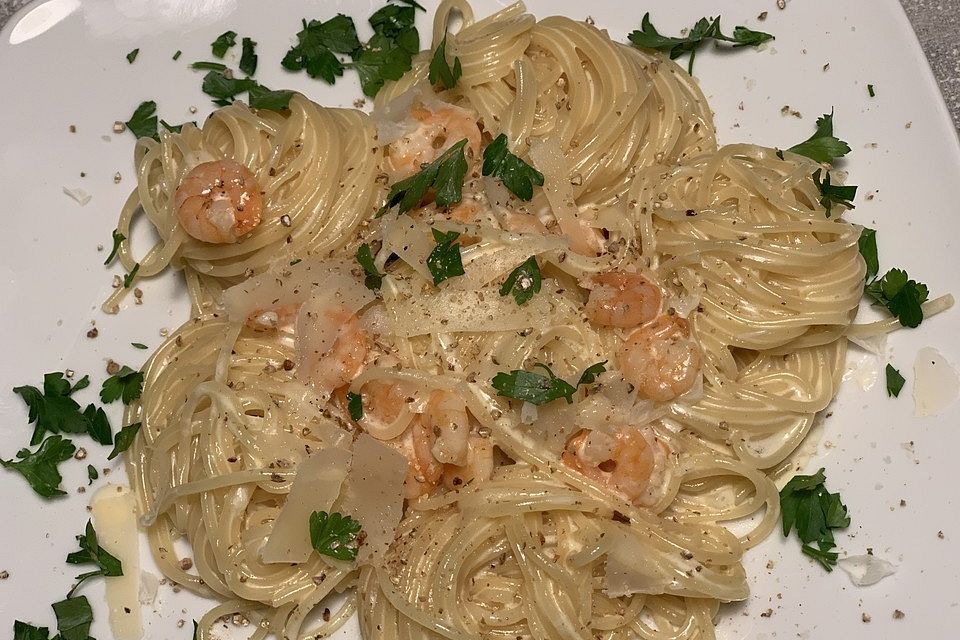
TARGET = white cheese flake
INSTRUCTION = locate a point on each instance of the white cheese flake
(866, 569)
(79, 195)
(935, 383)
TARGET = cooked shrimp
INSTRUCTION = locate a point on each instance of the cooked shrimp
(219, 202)
(446, 416)
(478, 466)
(661, 359)
(635, 469)
(523, 223)
(437, 130)
(386, 408)
(330, 368)
(423, 470)
(622, 299)
(277, 319)
(584, 239)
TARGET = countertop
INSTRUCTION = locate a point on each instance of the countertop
(937, 23)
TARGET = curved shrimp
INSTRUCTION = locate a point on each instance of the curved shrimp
(523, 223)
(583, 238)
(635, 469)
(219, 202)
(332, 367)
(446, 417)
(423, 471)
(660, 359)
(386, 412)
(437, 130)
(622, 299)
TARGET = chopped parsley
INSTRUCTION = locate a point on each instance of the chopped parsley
(143, 122)
(516, 175)
(248, 59)
(373, 278)
(538, 389)
(870, 91)
(138, 345)
(444, 175)
(705, 29)
(92, 474)
(523, 282)
(259, 97)
(174, 128)
(355, 405)
(895, 382)
(334, 535)
(124, 439)
(440, 71)
(868, 249)
(92, 553)
(822, 146)
(389, 53)
(74, 617)
(814, 512)
(53, 409)
(126, 384)
(901, 296)
(39, 468)
(117, 239)
(833, 194)
(317, 45)
(444, 261)
(589, 375)
(223, 42)
(132, 55)
(223, 89)
(128, 278)
(206, 65)
(176, 56)
(25, 631)
(98, 426)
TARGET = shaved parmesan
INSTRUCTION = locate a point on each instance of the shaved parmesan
(315, 488)
(373, 495)
(866, 569)
(629, 570)
(411, 240)
(79, 195)
(935, 384)
(115, 519)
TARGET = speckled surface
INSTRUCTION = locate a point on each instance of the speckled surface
(937, 23)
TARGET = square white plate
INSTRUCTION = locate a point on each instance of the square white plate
(62, 63)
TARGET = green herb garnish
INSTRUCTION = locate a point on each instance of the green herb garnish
(648, 38)
(132, 55)
(92, 553)
(532, 387)
(822, 146)
(589, 375)
(523, 282)
(126, 384)
(805, 504)
(39, 467)
(444, 261)
(440, 70)
(259, 97)
(117, 239)
(831, 194)
(143, 122)
(205, 65)
(92, 474)
(317, 44)
(223, 42)
(124, 439)
(373, 278)
(223, 89)
(174, 128)
(138, 345)
(334, 535)
(516, 175)
(870, 91)
(389, 53)
(895, 382)
(74, 617)
(176, 56)
(24, 631)
(444, 175)
(53, 410)
(868, 249)
(128, 278)
(355, 405)
(901, 296)
(98, 426)
(248, 59)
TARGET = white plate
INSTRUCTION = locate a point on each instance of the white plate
(62, 63)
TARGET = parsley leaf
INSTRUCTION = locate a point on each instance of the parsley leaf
(822, 146)
(901, 296)
(24, 631)
(259, 97)
(870, 91)
(143, 122)
(117, 239)
(74, 617)
(138, 345)
(248, 60)
(355, 405)
(317, 43)
(516, 175)
(440, 70)
(176, 56)
(125, 384)
(589, 375)
(128, 278)
(98, 426)
(807, 507)
(523, 282)
(868, 249)
(132, 55)
(175, 128)
(895, 382)
(444, 261)
(532, 387)
(445, 175)
(223, 89)
(204, 65)
(833, 194)
(223, 42)
(334, 535)
(39, 467)
(92, 474)
(92, 553)
(53, 409)
(413, 3)
(374, 278)
(385, 58)
(648, 38)
(124, 439)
